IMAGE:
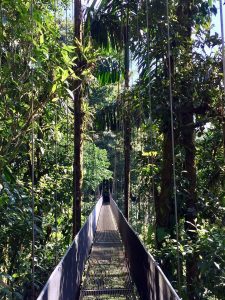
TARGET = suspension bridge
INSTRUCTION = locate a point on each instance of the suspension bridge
(107, 260)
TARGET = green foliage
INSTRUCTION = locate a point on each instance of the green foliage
(37, 66)
(210, 246)
(33, 68)
(96, 167)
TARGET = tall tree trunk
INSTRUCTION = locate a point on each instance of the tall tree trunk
(185, 15)
(78, 124)
(127, 125)
(164, 207)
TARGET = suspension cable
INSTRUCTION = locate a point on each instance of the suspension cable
(138, 61)
(117, 125)
(67, 100)
(173, 143)
(56, 163)
(141, 108)
(223, 57)
(32, 158)
(67, 108)
(121, 107)
(33, 222)
(55, 191)
(150, 106)
(138, 91)
(223, 46)
(1, 27)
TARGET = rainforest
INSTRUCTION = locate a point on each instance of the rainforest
(128, 92)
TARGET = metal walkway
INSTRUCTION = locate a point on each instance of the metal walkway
(107, 275)
(102, 259)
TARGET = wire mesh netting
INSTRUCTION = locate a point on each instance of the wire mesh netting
(106, 275)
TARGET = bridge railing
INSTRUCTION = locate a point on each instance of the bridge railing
(64, 282)
(150, 281)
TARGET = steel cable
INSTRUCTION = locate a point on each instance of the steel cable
(223, 57)
(150, 107)
(32, 157)
(173, 142)
(56, 158)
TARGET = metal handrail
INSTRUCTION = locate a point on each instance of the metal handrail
(150, 280)
(64, 282)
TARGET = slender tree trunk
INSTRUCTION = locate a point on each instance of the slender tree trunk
(185, 15)
(127, 124)
(164, 207)
(78, 125)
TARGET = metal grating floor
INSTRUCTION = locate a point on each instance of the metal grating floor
(106, 275)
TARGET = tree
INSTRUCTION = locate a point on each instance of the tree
(185, 15)
(49, 70)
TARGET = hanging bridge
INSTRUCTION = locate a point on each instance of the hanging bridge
(107, 261)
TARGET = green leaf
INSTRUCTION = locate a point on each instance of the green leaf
(65, 75)
(161, 234)
(9, 175)
(69, 48)
(54, 87)
(41, 39)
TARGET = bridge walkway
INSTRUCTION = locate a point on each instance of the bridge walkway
(107, 275)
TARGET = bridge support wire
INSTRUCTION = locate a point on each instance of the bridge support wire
(223, 57)
(173, 144)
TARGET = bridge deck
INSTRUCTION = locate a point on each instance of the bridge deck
(106, 275)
